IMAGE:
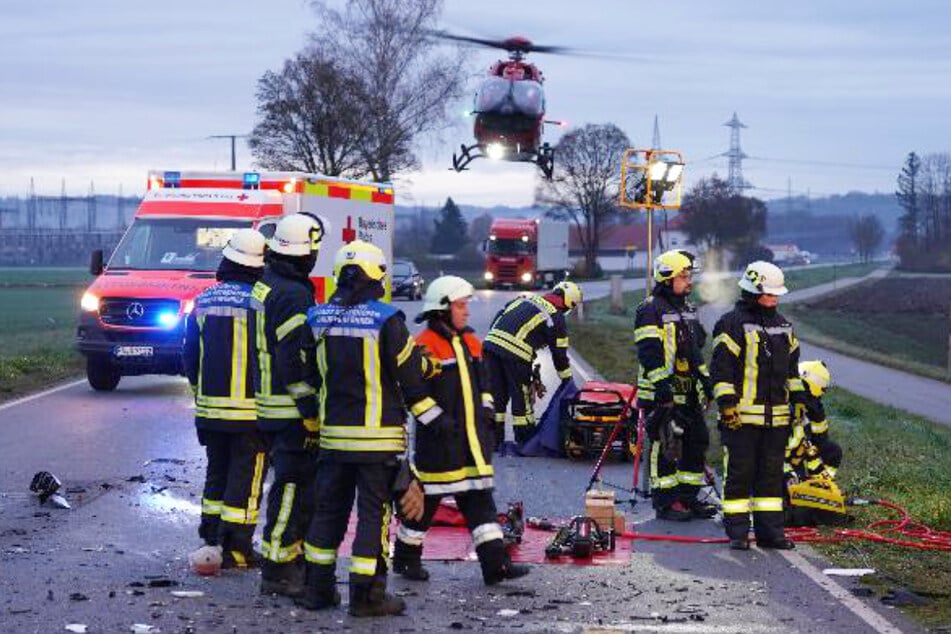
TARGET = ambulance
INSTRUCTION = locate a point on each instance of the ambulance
(132, 317)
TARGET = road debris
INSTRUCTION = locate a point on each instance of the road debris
(45, 486)
(848, 572)
(144, 628)
(78, 628)
(187, 594)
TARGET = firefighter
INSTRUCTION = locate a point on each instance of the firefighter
(755, 371)
(369, 367)
(810, 454)
(219, 363)
(673, 387)
(524, 326)
(456, 461)
(286, 396)
(809, 444)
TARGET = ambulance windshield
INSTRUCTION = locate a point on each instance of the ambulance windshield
(189, 244)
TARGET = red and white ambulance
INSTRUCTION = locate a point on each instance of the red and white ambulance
(132, 316)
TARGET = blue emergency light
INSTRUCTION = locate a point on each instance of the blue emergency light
(168, 319)
(172, 179)
(252, 180)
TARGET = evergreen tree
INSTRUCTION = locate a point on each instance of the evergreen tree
(452, 232)
(907, 194)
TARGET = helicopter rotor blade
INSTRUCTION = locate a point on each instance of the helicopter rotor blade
(468, 40)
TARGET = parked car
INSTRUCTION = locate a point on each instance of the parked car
(407, 282)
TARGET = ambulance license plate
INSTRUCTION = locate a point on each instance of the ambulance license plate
(134, 351)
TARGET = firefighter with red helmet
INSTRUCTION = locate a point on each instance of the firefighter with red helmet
(673, 387)
(456, 460)
(756, 383)
(522, 328)
(219, 359)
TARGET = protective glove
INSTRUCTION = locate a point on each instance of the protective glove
(311, 425)
(432, 366)
(311, 441)
(730, 418)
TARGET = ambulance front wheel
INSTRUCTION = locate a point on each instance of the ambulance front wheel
(102, 376)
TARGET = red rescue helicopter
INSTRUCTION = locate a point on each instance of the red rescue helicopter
(509, 107)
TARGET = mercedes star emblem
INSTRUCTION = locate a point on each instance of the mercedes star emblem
(135, 310)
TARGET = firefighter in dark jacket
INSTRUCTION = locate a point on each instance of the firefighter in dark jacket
(370, 370)
(755, 371)
(673, 387)
(219, 363)
(522, 328)
(456, 461)
(286, 396)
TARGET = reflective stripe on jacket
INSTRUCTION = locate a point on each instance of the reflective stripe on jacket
(220, 358)
(459, 458)
(526, 325)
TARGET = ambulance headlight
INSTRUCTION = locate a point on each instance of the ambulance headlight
(488, 276)
(526, 277)
(89, 302)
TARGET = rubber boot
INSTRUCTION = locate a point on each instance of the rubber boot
(369, 598)
(780, 543)
(407, 561)
(286, 578)
(496, 564)
(320, 588)
(237, 549)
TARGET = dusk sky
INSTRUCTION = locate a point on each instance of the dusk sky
(835, 94)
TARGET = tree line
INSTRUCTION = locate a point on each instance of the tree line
(924, 193)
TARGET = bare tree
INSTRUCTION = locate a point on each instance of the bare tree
(310, 118)
(715, 215)
(409, 83)
(867, 234)
(585, 186)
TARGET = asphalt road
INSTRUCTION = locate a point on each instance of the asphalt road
(131, 465)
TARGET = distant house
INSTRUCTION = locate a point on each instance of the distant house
(624, 247)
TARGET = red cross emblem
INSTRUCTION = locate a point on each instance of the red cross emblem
(243, 197)
(349, 233)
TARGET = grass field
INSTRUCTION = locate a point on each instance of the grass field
(45, 276)
(889, 454)
(895, 321)
(804, 278)
(38, 309)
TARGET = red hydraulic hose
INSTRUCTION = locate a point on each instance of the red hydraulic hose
(899, 532)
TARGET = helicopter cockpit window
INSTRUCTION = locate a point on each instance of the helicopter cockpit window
(492, 94)
(529, 98)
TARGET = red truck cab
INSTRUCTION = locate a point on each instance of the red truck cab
(526, 252)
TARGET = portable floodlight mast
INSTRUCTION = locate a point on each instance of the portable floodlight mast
(651, 179)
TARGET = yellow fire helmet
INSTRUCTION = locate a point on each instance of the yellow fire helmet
(570, 292)
(816, 375)
(670, 264)
(368, 257)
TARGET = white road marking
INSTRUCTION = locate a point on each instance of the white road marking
(33, 397)
(577, 366)
(877, 622)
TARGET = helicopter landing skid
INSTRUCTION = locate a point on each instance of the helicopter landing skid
(469, 154)
(544, 158)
